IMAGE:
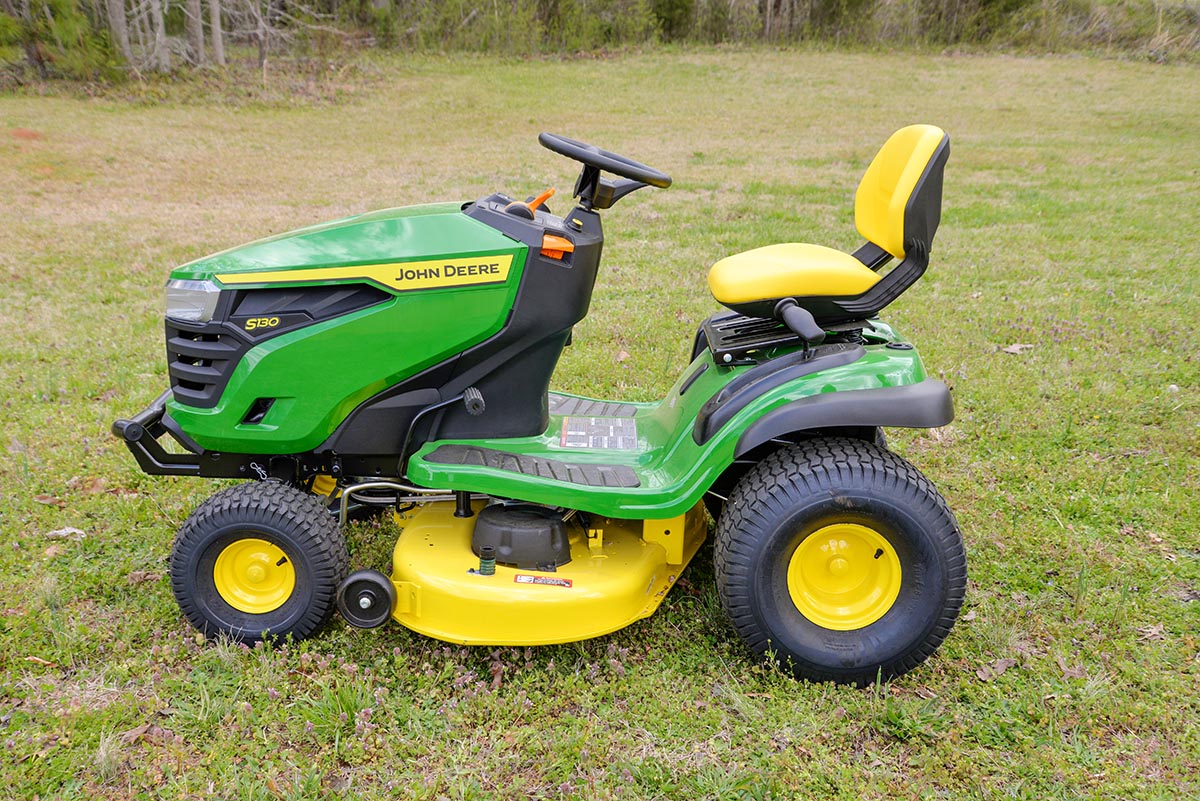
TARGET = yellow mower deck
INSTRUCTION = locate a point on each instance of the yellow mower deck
(620, 571)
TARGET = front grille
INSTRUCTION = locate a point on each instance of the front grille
(200, 359)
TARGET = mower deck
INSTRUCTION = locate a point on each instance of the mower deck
(620, 571)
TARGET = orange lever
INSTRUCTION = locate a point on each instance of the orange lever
(555, 247)
(540, 199)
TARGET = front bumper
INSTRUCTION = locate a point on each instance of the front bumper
(141, 435)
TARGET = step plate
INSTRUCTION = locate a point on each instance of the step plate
(588, 475)
(586, 407)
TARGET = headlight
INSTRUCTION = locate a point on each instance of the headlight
(193, 301)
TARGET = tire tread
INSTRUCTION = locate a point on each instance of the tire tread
(779, 482)
(269, 503)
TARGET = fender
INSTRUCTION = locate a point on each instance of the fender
(924, 405)
(769, 375)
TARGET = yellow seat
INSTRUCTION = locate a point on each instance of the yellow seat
(897, 209)
(792, 269)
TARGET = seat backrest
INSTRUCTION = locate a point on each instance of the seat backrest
(898, 204)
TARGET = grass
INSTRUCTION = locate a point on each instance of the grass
(1073, 465)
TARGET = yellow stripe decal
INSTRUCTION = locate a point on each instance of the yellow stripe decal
(397, 276)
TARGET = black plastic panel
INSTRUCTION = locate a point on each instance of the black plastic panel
(924, 405)
(294, 307)
(200, 359)
(512, 369)
(743, 390)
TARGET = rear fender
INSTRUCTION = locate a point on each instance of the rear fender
(923, 405)
(853, 415)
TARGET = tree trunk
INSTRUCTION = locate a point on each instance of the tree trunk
(260, 34)
(141, 32)
(193, 23)
(161, 59)
(119, 28)
(262, 46)
(214, 32)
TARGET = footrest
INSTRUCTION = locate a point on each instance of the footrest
(585, 407)
(588, 475)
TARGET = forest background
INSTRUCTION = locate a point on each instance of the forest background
(110, 41)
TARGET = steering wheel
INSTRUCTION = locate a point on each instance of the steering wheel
(593, 156)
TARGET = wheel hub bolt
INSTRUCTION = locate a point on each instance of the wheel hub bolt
(366, 600)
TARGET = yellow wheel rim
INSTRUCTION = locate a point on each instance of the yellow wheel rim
(254, 576)
(844, 576)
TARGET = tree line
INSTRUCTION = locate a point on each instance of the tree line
(87, 38)
(112, 38)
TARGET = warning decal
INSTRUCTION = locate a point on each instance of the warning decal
(600, 433)
(524, 578)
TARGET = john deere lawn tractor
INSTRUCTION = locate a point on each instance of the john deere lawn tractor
(531, 516)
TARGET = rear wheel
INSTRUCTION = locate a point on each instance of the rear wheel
(840, 559)
(256, 560)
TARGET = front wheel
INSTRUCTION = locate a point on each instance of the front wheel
(256, 560)
(840, 559)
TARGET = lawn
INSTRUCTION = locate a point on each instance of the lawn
(1057, 306)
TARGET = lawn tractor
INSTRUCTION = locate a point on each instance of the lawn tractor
(401, 361)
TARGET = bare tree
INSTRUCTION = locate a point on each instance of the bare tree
(273, 23)
(161, 54)
(119, 27)
(193, 23)
(214, 32)
(260, 31)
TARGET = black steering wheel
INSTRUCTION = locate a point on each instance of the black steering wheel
(593, 156)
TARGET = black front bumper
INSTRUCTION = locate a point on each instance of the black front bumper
(141, 434)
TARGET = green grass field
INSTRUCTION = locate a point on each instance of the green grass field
(1069, 229)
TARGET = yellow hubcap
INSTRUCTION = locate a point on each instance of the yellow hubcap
(844, 576)
(254, 576)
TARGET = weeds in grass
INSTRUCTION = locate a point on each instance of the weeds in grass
(49, 593)
(108, 755)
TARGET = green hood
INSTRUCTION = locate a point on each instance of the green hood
(404, 234)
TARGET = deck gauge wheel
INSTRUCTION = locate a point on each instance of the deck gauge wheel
(366, 599)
